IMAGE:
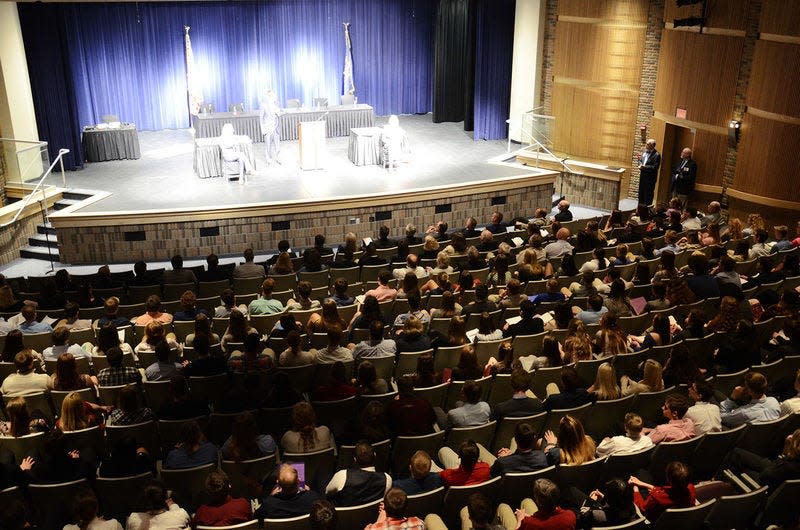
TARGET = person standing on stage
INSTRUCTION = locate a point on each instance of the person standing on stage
(683, 176)
(269, 118)
(649, 162)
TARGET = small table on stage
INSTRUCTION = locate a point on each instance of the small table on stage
(208, 155)
(365, 146)
(244, 123)
(339, 120)
(110, 144)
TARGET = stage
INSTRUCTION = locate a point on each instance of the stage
(163, 178)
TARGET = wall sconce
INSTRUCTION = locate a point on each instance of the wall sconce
(643, 132)
(734, 127)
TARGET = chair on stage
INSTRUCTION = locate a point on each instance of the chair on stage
(348, 99)
(235, 107)
(109, 118)
(292, 103)
(321, 103)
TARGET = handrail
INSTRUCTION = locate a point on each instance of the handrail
(59, 159)
(533, 141)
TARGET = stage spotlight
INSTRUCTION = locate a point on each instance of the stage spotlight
(689, 21)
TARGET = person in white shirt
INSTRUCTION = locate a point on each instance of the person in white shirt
(704, 414)
(632, 441)
(412, 265)
(61, 344)
(25, 381)
(792, 405)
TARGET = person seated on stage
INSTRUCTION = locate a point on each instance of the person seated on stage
(394, 142)
(230, 150)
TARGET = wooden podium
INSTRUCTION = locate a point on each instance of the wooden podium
(312, 144)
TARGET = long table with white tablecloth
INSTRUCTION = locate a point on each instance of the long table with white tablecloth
(208, 154)
(244, 123)
(338, 120)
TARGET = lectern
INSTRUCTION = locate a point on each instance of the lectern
(312, 144)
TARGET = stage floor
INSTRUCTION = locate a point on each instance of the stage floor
(163, 178)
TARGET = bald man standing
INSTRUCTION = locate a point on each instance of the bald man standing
(683, 176)
(649, 162)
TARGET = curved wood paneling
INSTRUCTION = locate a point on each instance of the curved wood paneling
(766, 164)
(729, 14)
(775, 78)
(780, 17)
(698, 73)
(615, 57)
(710, 151)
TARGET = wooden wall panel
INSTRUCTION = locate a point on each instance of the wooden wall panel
(594, 124)
(726, 14)
(775, 78)
(600, 54)
(710, 151)
(698, 72)
(624, 11)
(766, 164)
(780, 17)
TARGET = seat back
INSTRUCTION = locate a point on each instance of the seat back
(210, 388)
(187, 485)
(169, 431)
(692, 518)
(158, 394)
(638, 524)
(542, 377)
(457, 497)
(731, 510)
(421, 504)
(781, 508)
(249, 525)
(336, 414)
(407, 363)
(51, 503)
(648, 405)
(57, 396)
(446, 357)
(357, 516)
(454, 392)
(554, 418)
(37, 401)
(23, 446)
(584, 476)
(486, 349)
(667, 452)
(508, 425)
(481, 434)
(766, 438)
(145, 435)
(434, 394)
(501, 389)
(319, 466)
(606, 417)
(37, 341)
(712, 450)
(626, 464)
(405, 446)
(118, 497)
(246, 475)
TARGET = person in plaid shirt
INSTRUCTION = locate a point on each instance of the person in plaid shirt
(391, 515)
(116, 374)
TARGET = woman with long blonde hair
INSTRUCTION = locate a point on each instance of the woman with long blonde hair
(651, 382)
(571, 446)
(77, 414)
(320, 323)
(605, 385)
(578, 344)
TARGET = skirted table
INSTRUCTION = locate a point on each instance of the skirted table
(208, 155)
(364, 148)
(338, 120)
(244, 123)
(110, 144)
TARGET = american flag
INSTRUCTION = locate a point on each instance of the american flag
(347, 86)
(192, 83)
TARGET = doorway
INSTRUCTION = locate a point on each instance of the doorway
(675, 139)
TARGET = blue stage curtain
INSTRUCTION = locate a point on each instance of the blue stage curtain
(51, 81)
(494, 51)
(128, 59)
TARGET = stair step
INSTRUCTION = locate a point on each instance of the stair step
(66, 203)
(43, 240)
(46, 228)
(40, 253)
(76, 195)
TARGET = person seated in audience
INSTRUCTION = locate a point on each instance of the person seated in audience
(467, 367)
(571, 446)
(569, 395)
(30, 324)
(529, 261)
(481, 304)
(486, 242)
(496, 224)
(154, 333)
(160, 510)
(334, 351)
(560, 247)
(548, 514)
(21, 421)
(367, 381)
(77, 414)
(194, 450)
(705, 412)
(141, 277)
(594, 311)
(182, 405)
(319, 323)
(178, 274)
(153, 312)
(61, 345)
(220, 508)
(50, 297)
(204, 364)
(409, 414)
(610, 339)
(266, 304)
(578, 344)
(213, 272)
(24, 381)
(792, 404)
(128, 411)
(470, 229)
(463, 468)
(511, 296)
(360, 484)
(678, 426)
(283, 247)
(681, 368)
(245, 442)
(727, 278)
(303, 301)
(473, 411)
(189, 310)
(294, 354)
(287, 498)
(758, 408)
(529, 324)
(305, 436)
(251, 358)
(605, 384)
(612, 505)
(422, 479)
(249, 269)
(524, 459)
(340, 296)
(677, 493)
(375, 346)
(282, 265)
(72, 318)
(690, 220)
(766, 471)
(412, 266)
(337, 386)
(163, 368)
(430, 248)
(392, 513)
(66, 376)
(760, 247)
(631, 442)
(383, 291)
(520, 404)
(239, 328)
(563, 215)
(383, 240)
(8, 300)
(552, 293)
(651, 381)
(116, 374)
(319, 246)
(86, 508)
(412, 336)
(202, 327)
(112, 314)
(504, 363)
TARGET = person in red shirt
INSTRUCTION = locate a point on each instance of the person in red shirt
(221, 509)
(678, 493)
(549, 515)
(469, 471)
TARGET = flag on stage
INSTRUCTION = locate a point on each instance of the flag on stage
(347, 86)
(192, 82)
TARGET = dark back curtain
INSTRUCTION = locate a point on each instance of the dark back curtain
(454, 60)
(51, 80)
(128, 58)
(493, 57)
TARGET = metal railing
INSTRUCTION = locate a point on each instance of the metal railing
(535, 129)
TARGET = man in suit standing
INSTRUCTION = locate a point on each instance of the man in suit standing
(649, 162)
(683, 176)
(269, 120)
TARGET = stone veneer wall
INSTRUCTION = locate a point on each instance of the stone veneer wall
(589, 191)
(105, 242)
(12, 238)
